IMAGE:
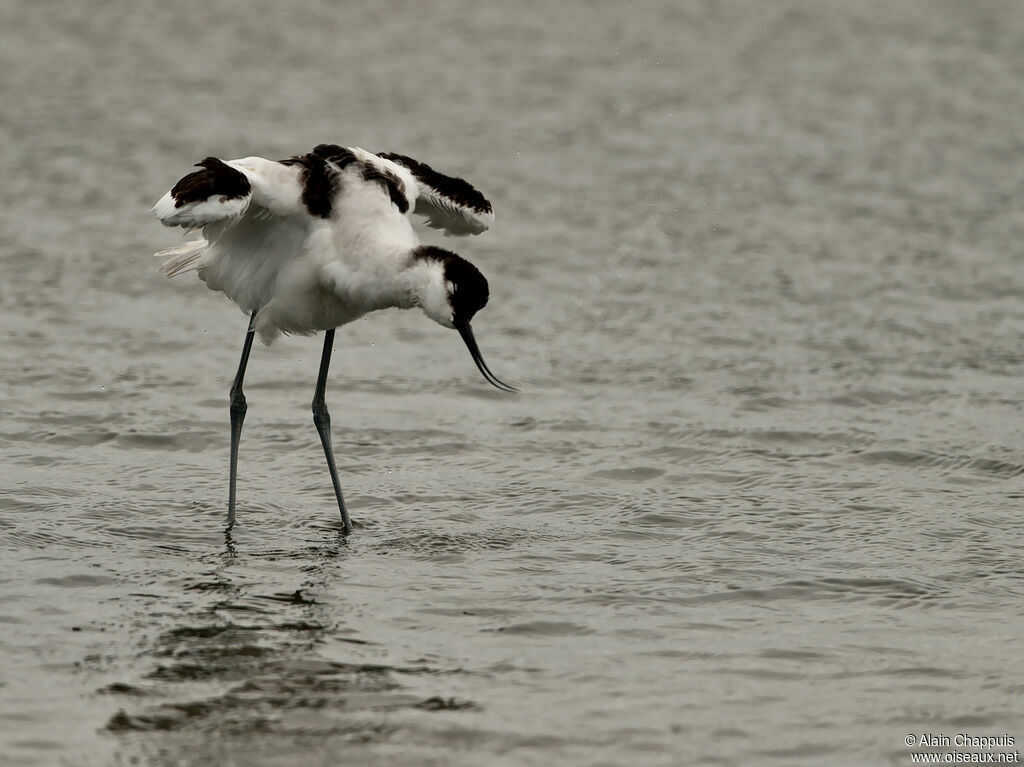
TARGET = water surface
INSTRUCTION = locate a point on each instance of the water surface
(756, 269)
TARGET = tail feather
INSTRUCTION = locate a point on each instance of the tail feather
(183, 258)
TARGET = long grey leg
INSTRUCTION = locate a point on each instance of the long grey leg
(238, 408)
(322, 420)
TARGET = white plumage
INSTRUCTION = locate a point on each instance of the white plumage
(315, 241)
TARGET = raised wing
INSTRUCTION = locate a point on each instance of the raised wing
(223, 191)
(218, 192)
(252, 207)
(447, 202)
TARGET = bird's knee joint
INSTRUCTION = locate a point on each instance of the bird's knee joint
(320, 414)
(238, 404)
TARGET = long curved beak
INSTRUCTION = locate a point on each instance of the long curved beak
(467, 335)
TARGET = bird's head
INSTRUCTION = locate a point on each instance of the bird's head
(453, 292)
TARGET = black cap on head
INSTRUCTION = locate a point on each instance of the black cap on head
(470, 288)
(469, 295)
(470, 291)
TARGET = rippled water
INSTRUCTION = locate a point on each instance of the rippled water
(757, 271)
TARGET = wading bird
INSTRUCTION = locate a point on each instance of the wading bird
(316, 241)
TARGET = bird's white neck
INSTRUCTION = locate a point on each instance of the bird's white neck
(420, 284)
(428, 290)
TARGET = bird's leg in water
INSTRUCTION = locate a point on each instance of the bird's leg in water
(238, 408)
(322, 420)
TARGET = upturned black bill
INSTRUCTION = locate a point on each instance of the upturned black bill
(467, 335)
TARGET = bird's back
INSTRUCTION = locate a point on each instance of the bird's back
(314, 241)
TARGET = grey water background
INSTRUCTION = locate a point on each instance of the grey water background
(756, 269)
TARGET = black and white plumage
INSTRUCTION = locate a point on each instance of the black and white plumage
(318, 240)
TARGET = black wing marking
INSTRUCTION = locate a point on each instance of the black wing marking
(448, 203)
(321, 180)
(215, 178)
(320, 183)
(458, 190)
